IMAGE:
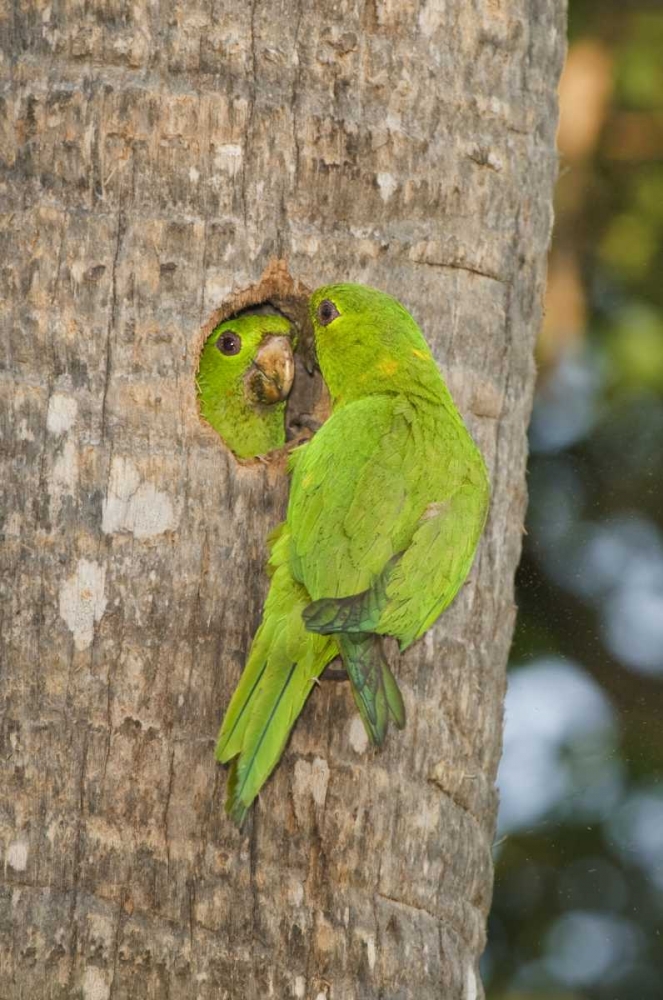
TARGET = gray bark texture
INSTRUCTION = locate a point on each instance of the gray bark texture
(160, 163)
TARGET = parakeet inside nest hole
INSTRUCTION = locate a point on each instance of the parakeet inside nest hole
(245, 374)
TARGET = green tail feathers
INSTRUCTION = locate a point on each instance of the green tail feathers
(284, 661)
(229, 742)
(266, 732)
(283, 664)
(353, 621)
(374, 687)
(394, 697)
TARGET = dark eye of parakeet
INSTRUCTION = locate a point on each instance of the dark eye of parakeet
(327, 312)
(229, 343)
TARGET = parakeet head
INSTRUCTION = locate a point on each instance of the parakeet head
(245, 375)
(367, 342)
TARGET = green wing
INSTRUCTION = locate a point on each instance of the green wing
(437, 561)
(416, 585)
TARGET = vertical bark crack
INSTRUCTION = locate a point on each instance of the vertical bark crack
(112, 316)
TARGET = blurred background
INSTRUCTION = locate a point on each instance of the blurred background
(578, 908)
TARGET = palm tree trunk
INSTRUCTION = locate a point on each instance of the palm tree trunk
(162, 163)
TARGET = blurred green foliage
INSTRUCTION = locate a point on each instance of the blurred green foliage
(578, 904)
(639, 66)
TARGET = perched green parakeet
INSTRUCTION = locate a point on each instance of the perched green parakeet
(245, 374)
(386, 508)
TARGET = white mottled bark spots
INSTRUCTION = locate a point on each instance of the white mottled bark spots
(96, 986)
(83, 602)
(300, 987)
(357, 735)
(17, 855)
(62, 410)
(136, 506)
(387, 185)
(310, 782)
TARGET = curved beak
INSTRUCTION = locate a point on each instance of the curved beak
(269, 379)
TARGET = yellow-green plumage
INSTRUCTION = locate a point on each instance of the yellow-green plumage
(386, 508)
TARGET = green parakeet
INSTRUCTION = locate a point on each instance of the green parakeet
(386, 508)
(245, 374)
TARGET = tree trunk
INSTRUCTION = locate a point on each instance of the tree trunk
(157, 159)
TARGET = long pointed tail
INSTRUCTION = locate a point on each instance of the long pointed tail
(283, 663)
(374, 687)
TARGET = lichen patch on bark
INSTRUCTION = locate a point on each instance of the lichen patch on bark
(83, 601)
(135, 505)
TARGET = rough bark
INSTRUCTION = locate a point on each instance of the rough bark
(155, 159)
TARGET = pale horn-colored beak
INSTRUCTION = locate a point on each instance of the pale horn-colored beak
(269, 379)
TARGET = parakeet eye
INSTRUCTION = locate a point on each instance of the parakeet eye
(229, 343)
(327, 311)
